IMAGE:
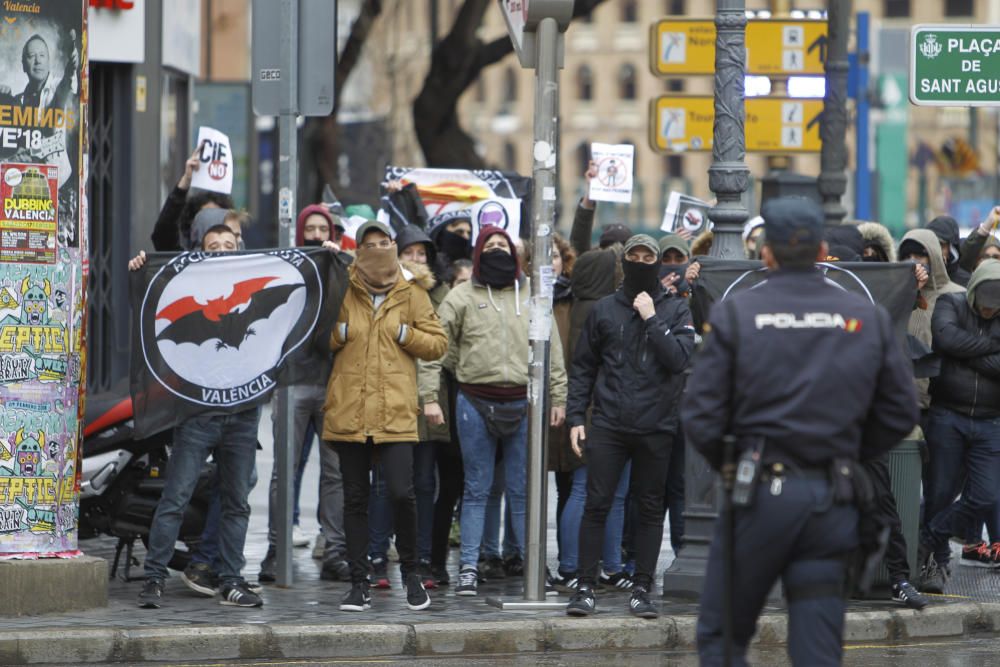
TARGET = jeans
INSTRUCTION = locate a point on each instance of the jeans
(478, 460)
(233, 438)
(380, 512)
(492, 547)
(397, 467)
(306, 403)
(960, 447)
(569, 546)
(207, 551)
(608, 452)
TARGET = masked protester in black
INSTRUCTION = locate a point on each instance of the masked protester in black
(453, 241)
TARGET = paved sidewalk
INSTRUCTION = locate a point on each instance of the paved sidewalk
(304, 621)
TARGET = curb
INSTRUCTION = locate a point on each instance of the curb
(99, 645)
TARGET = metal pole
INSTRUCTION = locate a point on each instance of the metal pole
(288, 164)
(729, 178)
(833, 125)
(540, 328)
(863, 184)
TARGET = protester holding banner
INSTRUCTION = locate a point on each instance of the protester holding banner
(487, 323)
(386, 322)
(233, 439)
(982, 242)
(306, 400)
(946, 230)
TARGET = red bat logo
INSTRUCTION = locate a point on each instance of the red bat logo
(215, 308)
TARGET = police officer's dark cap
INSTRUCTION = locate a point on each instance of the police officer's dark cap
(792, 221)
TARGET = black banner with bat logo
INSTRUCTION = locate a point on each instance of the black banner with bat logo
(892, 286)
(216, 333)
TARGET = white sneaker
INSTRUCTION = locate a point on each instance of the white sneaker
(299, 539)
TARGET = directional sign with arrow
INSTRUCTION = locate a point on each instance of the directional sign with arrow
(774, 47)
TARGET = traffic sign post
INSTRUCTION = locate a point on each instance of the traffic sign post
(955, 65)
(681, 123)
(292, 71)
(783, 47)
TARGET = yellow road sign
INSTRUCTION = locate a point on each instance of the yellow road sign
(679, 123)
(775, 47)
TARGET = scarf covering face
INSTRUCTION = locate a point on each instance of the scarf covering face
(454, 246)
(498, 271)
(378, 268)
(640, 277)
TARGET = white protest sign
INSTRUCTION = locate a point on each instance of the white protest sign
(684, 212)
(216, 169)
(502, 213)
(614, 172)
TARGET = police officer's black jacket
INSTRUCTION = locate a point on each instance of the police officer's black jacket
(969, 346)
(812, 369)
(632, 369)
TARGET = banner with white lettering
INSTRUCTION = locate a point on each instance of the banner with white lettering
(892, 286)
(217, 332)
(215, 172)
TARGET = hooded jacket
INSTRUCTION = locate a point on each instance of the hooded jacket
(845, 241)
(372, 391)
(969, 381)
(429, 380)
(631, 369)
(945, 228)
(938, 283)
(875, 234)
(488, 334)
(973, 247)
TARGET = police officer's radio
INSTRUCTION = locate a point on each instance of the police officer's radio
(747, 475)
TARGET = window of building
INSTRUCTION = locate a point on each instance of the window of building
(675, 7)
(958, 8)
(675, 166)
(627, 82)
(584, 83)
(629, 11)
(582, 157)
(897, 8)
(510, 156)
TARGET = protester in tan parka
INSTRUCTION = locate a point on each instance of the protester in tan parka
(386, 322)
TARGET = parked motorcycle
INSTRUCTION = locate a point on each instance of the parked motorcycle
(123, 478)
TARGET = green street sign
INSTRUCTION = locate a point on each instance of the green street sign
(955, 65)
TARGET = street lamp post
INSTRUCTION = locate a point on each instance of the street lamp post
(833, 125)
(729, 178)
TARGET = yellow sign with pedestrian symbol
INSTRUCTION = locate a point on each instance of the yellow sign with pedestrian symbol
(680, 123)
(792, 47)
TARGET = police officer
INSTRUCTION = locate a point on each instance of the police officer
(805, 374)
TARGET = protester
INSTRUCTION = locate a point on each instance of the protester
(878, 243)
(964, 424)
(629, 362)
(487, 324)
(233, 438)
(453, 241)
(946, 229)
(982, 242)
(385, 323)
(752, 230)
(306, 400)
(845, 243)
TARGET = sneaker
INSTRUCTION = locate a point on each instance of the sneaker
(416, 596)
(620, 580)
(550, 584)
(977, 555)
(566, 582)
(254, 587)
(380, 573)
(426, 576)
(905, 592)
(640, 605)
(491, 569)
(200, 578)
(995, 553)
(238, 594)
(268, 567)
(359, 598)
(441, 576)
(583, 602)
(335, 569)
(513, 566)
(152, 592)
(299, 538)
(319, 548)
(468, 582)
(933, 577)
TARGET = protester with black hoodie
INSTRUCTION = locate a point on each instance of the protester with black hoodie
(946, 229)
(629, 363)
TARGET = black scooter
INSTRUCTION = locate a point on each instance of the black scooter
(123, 478)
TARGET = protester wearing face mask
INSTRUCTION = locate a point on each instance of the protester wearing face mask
(385, 323)
(964, 419)
(487, 324)
(629, 364)
(453, 241)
